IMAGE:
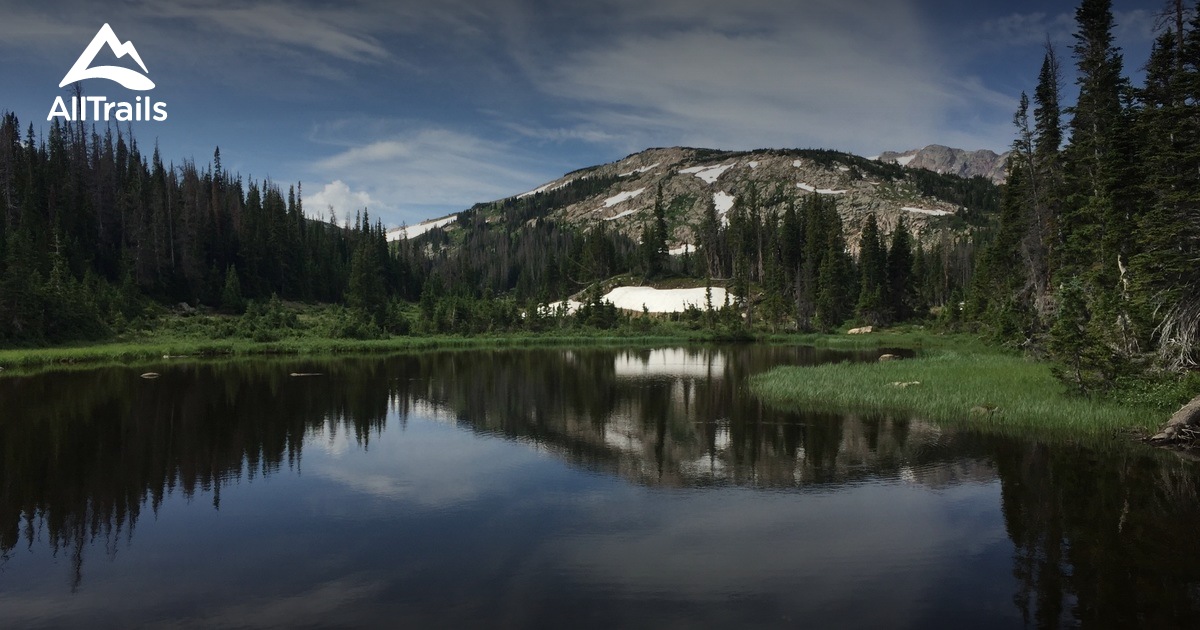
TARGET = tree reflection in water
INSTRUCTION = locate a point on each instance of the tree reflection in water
(1102, 534)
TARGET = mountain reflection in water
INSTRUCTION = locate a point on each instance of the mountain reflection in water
(633, 469)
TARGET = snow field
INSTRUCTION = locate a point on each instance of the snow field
(413, 231)
(662, 300)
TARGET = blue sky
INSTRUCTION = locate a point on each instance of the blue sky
(417, 109)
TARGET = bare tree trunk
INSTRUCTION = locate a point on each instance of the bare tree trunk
(1184, 425)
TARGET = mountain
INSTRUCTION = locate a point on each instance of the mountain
(940, 159)
(622, 194)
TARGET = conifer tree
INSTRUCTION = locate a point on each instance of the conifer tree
(871, 308)
(900, 286)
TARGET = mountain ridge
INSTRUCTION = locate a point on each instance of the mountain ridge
(948, 160)
(621, 194)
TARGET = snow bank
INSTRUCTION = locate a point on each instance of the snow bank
(545, 188)
(621, 197)
(709, 174)
(723, 202)
(753, 163)
(905, 159)
(681, 250)
(413, 231)
(663, 300)
(623, 214)
(639, 170)
(932, 213)
(819, 191)
(552, 308)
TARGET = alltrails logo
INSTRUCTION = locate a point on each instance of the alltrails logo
(101, 109)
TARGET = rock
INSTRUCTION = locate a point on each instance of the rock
(306, 374)
(941, 159)
(905, 384)
(860, 331)
(889, 357)
(1183, 422)
(186, 309)
(149, 375)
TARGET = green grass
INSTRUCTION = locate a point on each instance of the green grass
(982, 389)
(156, 348)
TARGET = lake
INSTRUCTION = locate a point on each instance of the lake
(561, 488)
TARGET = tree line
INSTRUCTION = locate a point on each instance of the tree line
(1097, 256)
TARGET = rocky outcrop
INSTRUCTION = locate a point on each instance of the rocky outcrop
(941, 159)
(693, 180)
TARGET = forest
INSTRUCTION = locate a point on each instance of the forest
(1089, 255)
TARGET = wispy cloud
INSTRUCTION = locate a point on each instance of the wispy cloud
(424, 172)
(769, 74)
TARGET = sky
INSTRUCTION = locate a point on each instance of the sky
(414, 110)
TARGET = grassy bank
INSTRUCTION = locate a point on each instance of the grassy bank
(300, 330)
(979, 388)
(152, 348)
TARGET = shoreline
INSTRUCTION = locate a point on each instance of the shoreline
(983, 390)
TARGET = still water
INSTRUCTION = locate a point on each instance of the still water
(561, 488)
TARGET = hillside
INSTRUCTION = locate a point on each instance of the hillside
(622, 194)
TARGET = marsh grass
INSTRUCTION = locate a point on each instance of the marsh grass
(990, 391)
(156, 348)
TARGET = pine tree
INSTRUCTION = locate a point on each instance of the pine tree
(1166, 268)
(231, 295)
(1095, 224)
(900, 286)
(871, 308)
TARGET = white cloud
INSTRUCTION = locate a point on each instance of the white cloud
(337, 197)
(421, 173)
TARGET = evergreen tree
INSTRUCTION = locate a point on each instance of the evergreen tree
(1166, 269)
(231, 295)
(871, 308)
(900, 286)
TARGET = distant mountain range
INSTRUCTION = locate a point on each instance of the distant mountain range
(940, 159)
(621, 194)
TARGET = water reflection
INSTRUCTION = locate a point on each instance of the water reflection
(443, 444)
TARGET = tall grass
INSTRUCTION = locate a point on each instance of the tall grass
(153, 348)
(986, 390)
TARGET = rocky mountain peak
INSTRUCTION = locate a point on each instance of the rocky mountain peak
(942, 159)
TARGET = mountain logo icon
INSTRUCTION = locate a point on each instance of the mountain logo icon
(130, 79)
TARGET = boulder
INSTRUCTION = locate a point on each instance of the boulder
(860, 331)
(149, 375)
(889, 357)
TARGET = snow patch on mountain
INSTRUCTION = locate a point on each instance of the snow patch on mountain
(723, 202)
(932, 213)
(621, 215)
(709, 174)
(637, 171)
(819, 191)
(546, 188)
(413, 231)
(622, 197)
